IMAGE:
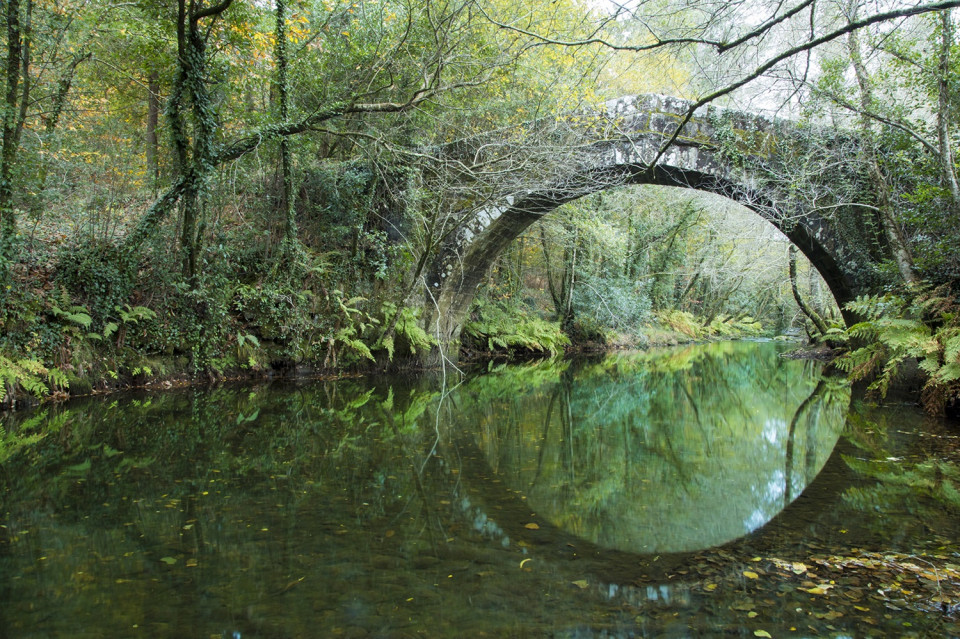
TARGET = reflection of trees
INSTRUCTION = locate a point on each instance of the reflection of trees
(258, 487)
(645, 437)
(903, 473)
(831, 392)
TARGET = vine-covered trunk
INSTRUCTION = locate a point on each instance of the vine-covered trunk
(153, 121)
(195, 161)
(286, 171)
(11, 139)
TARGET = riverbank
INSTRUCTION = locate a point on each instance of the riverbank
(29, 382)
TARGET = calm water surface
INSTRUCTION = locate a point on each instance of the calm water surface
(641, 494)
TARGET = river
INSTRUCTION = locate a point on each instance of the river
(704, 490)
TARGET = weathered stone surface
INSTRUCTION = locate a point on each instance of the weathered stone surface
(749, 158)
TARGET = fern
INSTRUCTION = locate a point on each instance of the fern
(29, 376)
(896, 330)
(348, 337)
(406, 331)
(514, 330)
(75, 314)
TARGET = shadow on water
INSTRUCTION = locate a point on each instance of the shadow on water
(622, 496)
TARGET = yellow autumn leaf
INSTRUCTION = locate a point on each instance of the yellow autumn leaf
(531, 526)
(761, 633)
(749, 574)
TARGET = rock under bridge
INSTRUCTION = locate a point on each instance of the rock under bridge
(809, 183)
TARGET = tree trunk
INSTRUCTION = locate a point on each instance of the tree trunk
(891, 228)
(153, 121)
(11, 140)
(948, 173)
(287, 203)
(191, 82)
(804, 307)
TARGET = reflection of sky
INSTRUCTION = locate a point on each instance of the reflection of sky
(770, 501)
(772, 428)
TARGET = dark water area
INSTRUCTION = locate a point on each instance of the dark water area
(708, 490)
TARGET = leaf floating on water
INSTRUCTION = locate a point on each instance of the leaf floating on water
(829, 616)
(289, 586)
(524, 561)
(532, 526)
(798, 568)
(752, 614)
(168, 560)
(580, 583)
(749, 574)
(709, 587)
(761, 633)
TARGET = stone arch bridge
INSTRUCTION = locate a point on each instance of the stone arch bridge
(808, 183)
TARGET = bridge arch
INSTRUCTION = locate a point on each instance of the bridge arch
(823, 226)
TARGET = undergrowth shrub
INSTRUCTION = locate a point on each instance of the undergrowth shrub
(28, 375)
(923, 326)
(493, 328)
(98, 275)
(609, 301)
(407, 338)
(681, 322)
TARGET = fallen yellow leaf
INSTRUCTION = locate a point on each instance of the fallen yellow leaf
(761, 633)
(749, 574)
(532, 526)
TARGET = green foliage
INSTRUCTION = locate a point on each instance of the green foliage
(611, 300)
(922, 327)
(247, 348)
(721, 326)
(344, 343)
(29, 376)
(97, 275)
(14, 439)
(496, 328)
(900, 480)
(407, 333)
(682, 322)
